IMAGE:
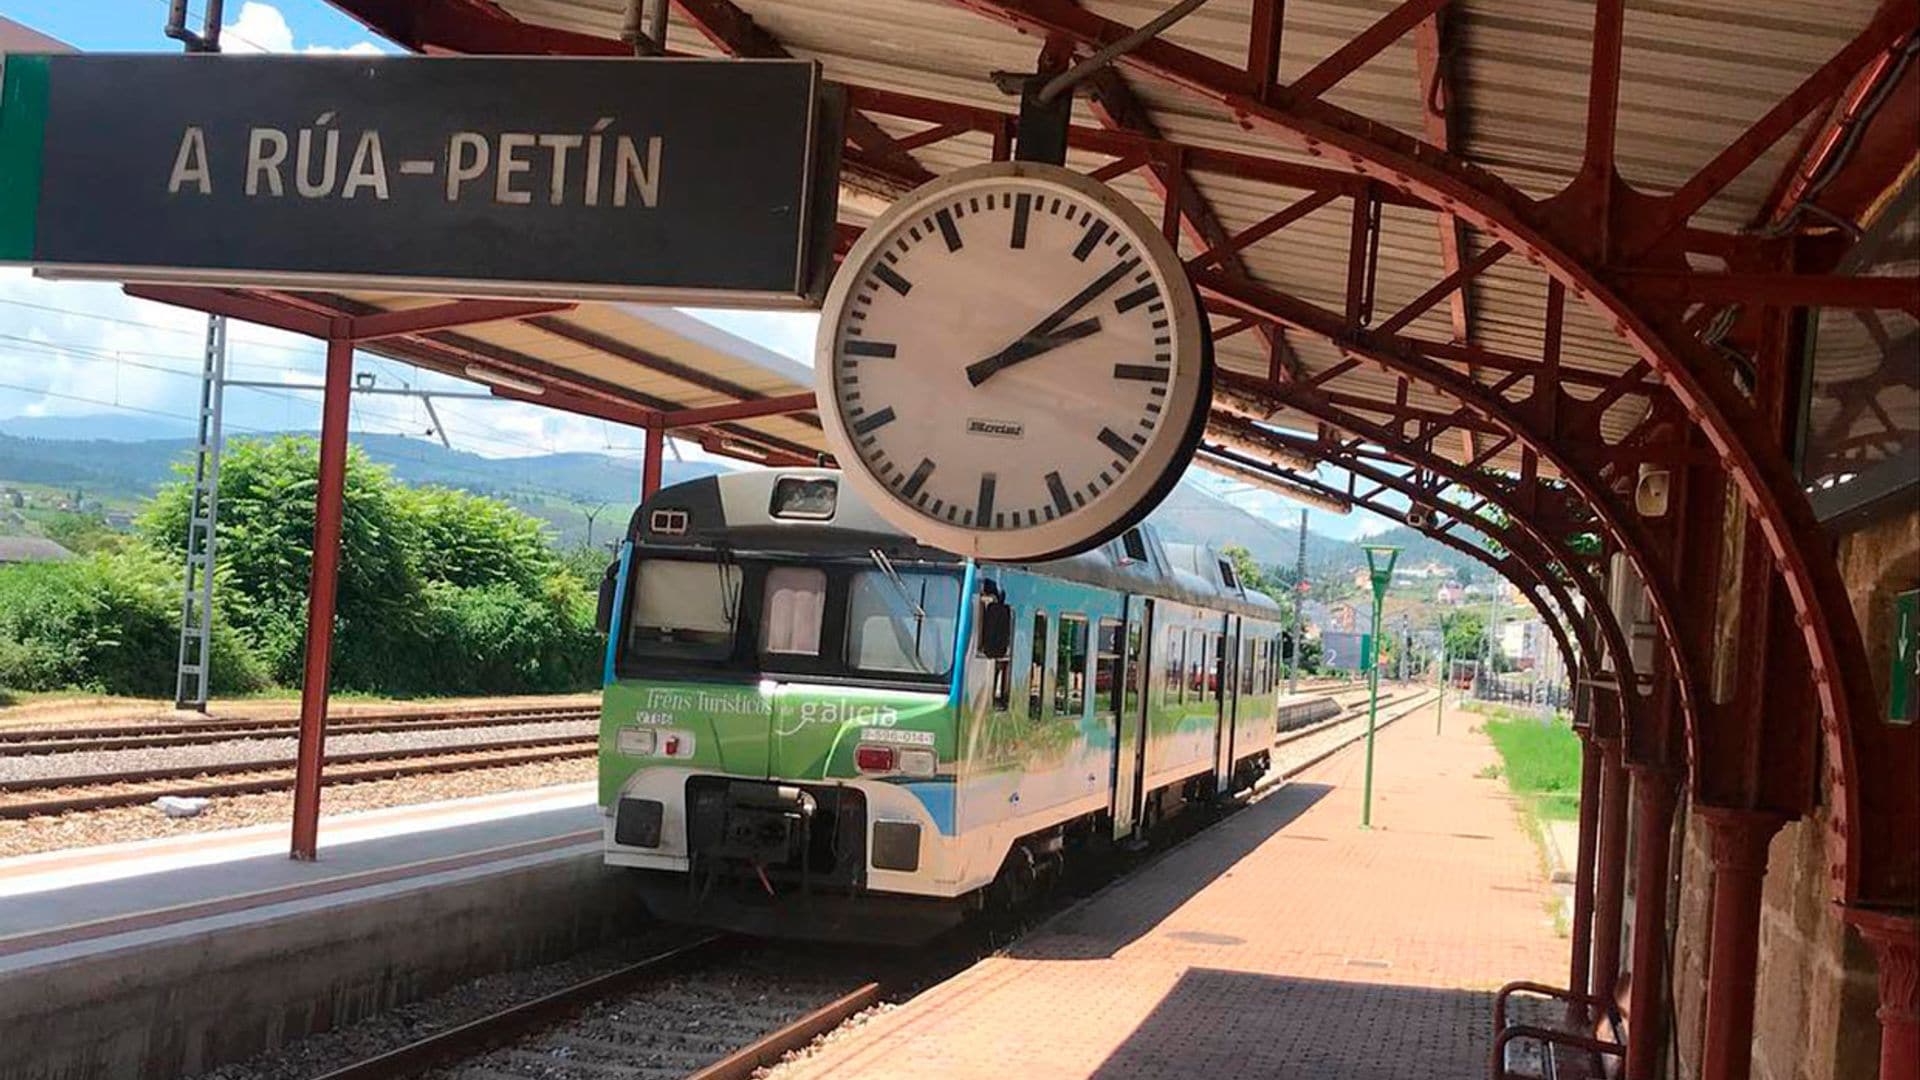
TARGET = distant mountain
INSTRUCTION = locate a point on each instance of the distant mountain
(559, 488)
(563, 489)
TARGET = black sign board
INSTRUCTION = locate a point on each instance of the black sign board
(662, 180)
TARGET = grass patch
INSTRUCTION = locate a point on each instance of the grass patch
(1540, 759)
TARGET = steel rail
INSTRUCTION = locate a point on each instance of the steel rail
(452, 760)
(234, 768)
(59, 745)
(770, 1048)
(533, 713)
(484, 1033)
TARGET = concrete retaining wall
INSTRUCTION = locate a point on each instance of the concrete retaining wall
(156, 1004)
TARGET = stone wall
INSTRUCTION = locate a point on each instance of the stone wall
(1814, 1008)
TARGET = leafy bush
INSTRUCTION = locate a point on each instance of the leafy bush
(108, 623)
(440, 591)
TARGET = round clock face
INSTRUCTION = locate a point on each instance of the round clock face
(1012, 364)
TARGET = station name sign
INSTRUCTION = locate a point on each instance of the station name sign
(671, 181)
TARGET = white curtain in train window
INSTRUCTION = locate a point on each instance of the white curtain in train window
(796, 597)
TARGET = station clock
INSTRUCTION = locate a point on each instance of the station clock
(1012, 363)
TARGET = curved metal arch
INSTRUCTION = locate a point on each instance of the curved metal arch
(1736, 432)
(1522, 574)
(1523, 549)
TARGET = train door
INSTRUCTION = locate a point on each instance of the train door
(1131, 703)
(1225, 672)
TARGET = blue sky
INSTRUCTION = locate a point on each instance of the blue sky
(85, 350)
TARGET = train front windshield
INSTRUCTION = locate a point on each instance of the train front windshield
(870, 621)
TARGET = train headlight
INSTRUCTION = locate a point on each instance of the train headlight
(919, 762)
(636, 742)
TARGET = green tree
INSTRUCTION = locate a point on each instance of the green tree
(1465, 633)
(1248, 569)
(471, 540)
(80, 533)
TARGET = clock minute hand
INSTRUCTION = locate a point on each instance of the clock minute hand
(1028, 347)
(1043, 334)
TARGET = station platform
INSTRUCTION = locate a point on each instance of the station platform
(162, 957)
(1284, 942)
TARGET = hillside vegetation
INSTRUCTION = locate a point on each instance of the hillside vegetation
(440, 591)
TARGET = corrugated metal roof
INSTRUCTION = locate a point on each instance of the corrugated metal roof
(1695, 74)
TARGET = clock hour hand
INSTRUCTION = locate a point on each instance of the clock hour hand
(1028, 347)
(1044, 334)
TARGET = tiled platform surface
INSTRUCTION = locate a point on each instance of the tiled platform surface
(1283, 943)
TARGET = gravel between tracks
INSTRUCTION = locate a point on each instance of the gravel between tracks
(667, 1029)
(266, 751)
(111, 826)
(470, 1000)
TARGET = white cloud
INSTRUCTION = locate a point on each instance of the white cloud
(261, 28)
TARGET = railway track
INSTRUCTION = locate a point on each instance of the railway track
(19, 741)
(710, 1009)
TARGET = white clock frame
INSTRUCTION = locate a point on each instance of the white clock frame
(1155, 467)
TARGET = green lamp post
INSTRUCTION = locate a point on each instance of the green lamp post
(1380, 560)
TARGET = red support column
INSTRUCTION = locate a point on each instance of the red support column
(328, 505)
(650, 468)
(1580, 979)
(1739, 840)
(1654, 796)
(1610, 866)
(1895, 940)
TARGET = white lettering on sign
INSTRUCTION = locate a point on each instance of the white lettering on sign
(190, 164)
(593, 169)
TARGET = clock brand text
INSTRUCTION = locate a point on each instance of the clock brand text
(999, 429)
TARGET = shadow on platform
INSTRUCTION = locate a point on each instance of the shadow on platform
(1097, 930)
(1226, 1025)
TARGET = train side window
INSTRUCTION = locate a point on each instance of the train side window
(1197, 664)
(1070, 670)
(796, 597)
(1246, 666)
(1176, 661)
(1037, 672)
(1108, 675)
(1003, 678)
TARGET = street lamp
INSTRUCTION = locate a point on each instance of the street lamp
(1380, 560)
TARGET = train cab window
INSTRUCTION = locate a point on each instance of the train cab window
(683, 610)
(1037, 671)
(1134, 545)
(902, 623)
(1106, 665)
(1227, 575)
(795, 599)
(1070, 668)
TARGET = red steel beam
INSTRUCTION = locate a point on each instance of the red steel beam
(734, 32)
(459, 27)
(650, 465)
(1776, 290)
(1264, 29)
(234, 305)
(1452, 286)
(745, 410)
(447, 316)
(1343, 61)
(329, 503)
(1894, 20)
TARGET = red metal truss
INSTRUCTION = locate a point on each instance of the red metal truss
(1563, 240)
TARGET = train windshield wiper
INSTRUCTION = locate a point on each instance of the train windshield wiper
(899, 585)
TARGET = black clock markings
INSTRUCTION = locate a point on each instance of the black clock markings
(919, 477)
(1114, 442)
(973, 204)
(913, 233)
(1140, 372)
(937, 505)
(893, 279)
(948, 230)
(1139, 439)
(984, 506)
(882, 350)
(873, 421)
(952, 512)
(1022, 208)
(1059, 492)
(1137, 297)
(1090, 241)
